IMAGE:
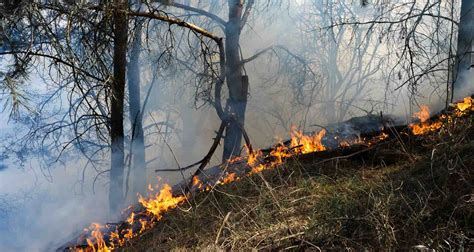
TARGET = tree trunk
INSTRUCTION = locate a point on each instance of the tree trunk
(464, 53)
(238, 87)
(136, 115)
(116, 110)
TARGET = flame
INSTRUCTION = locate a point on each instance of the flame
(128, 233)
(465, 105)
(253, 157)
(115, 239)
(382, 136)
(461, 108)
(155, 207)
(228, 179)
(196, 182)
(143, 224)
(424, 113)
(424, 127)
(130, 219)
(161, 202)
(306, 144)
(96, 242)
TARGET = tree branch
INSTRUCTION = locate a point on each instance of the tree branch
(246, 14)
(212, 16)
(176, 21)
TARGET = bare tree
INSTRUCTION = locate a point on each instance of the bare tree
(117, 104)
(464, 55)
(238, 14)
(136, 114)
(83, 46)
(418, 37)
(346, 57)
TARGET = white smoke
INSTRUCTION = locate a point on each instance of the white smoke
(40, 215)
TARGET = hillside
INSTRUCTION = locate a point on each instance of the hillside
(399, 194)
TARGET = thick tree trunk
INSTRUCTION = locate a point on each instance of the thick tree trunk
(238, 87)
(136, 115)
(116, 103)
(464, 55)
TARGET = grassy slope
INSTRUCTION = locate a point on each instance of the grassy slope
(418, 193)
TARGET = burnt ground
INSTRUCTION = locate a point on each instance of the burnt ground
(413, 192)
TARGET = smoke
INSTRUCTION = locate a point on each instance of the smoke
(40, 215)
(290, 84)
(464, 86)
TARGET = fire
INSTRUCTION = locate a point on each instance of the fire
(196, 182)
(280, 153)
(96, 242)
(155, 207)
(129, 233)
(464, 107)
(460, 109)
(143, 224)
(259, 168)
(228, 179)
(306, 144)
(161, 202)
(131, 218)
(424, 113)
(425, 126)
(253, 156)
(115, 237)
(299, 144)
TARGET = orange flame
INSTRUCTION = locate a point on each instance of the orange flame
(424, 127)
(465, 106)
(197, 182)
(161, 202)
(424, 113)
(253, 156)
(306, 144)
(130, 219)
(461, 108)
(228, 179)
(96, 242)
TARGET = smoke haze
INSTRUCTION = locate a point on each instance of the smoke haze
(40, 213)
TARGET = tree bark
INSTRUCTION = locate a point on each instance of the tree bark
(464, 53)
(238, 87)
(117, 104)
(136, 115)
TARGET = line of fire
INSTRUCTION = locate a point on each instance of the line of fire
(236, 125)
(107, 237)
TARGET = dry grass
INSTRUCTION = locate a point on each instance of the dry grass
(422, 195)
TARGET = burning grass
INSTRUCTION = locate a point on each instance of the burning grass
(418, 193)
(325, 201)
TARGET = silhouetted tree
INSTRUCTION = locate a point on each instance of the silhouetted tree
(464, 55)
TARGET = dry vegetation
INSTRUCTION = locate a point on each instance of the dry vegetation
(419, 192)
